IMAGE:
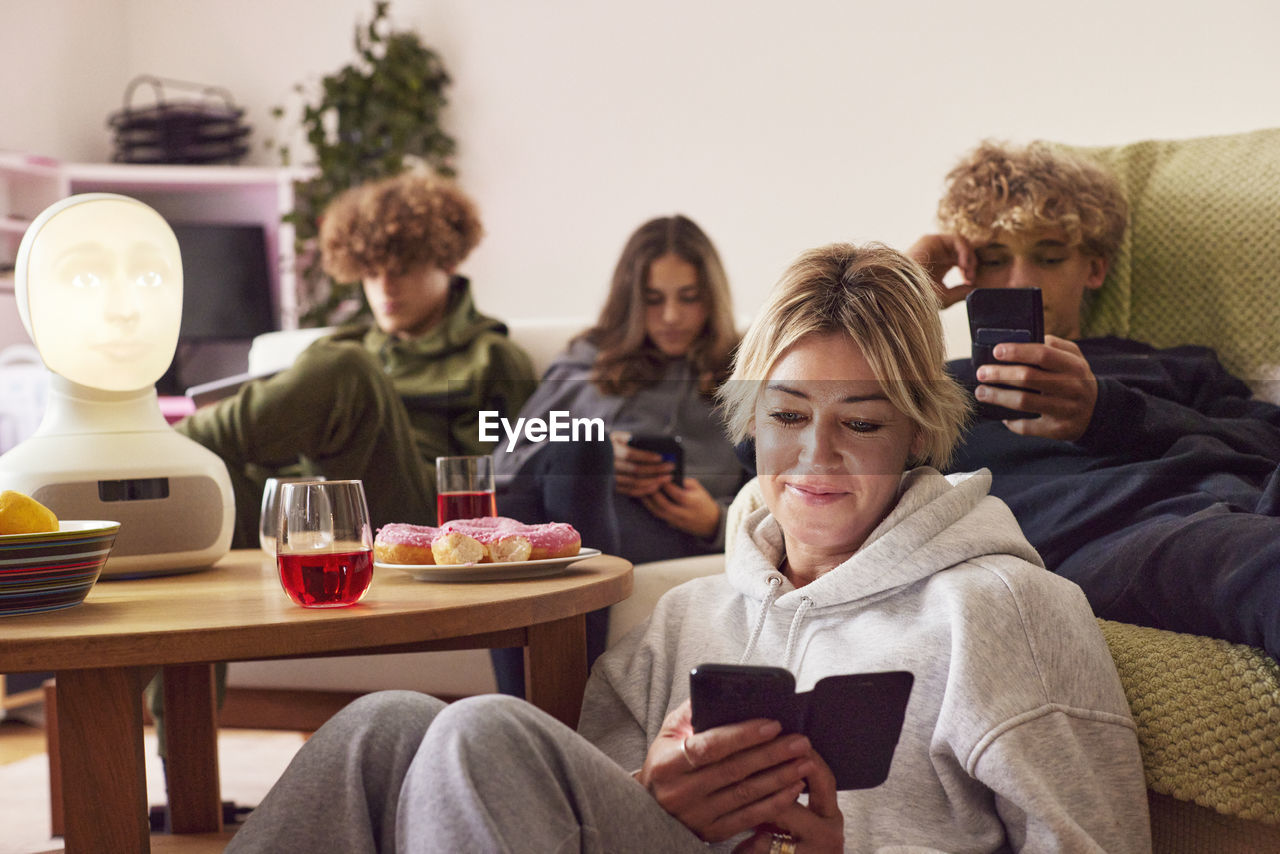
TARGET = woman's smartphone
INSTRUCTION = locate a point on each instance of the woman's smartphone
(998, 316)
(853, 720)
(727, 693)
(668, 446)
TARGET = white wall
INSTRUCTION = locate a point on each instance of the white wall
(778, 126)
(63, 65)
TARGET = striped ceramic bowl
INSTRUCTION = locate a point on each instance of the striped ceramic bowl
(44, 572)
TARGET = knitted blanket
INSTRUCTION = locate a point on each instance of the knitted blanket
(1208, 716)
(1201, 259)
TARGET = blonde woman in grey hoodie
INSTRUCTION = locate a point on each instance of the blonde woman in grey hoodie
(1017, 736)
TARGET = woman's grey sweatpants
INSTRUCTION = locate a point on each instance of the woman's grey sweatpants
(400, 771)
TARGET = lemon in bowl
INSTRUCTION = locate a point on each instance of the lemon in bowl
(49, 569)
(22, 514)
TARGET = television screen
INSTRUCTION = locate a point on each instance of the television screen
(226, 281)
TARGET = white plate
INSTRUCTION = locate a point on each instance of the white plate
(489, 571)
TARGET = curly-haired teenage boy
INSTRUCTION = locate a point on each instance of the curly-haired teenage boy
(380, 401)
(1151, 477)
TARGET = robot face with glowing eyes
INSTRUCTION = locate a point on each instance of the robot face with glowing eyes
(103, 292)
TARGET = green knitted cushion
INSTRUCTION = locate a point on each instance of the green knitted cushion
(1201, 260)
(1208, 716)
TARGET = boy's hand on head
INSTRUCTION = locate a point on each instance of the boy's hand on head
(1059, 372)
(939, 254)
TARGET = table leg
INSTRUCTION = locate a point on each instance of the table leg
(555, 667)
(104, 782)
(191, 754)
(54, 755)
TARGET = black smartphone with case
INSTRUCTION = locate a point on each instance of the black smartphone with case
(852, 720)
(996, 316)
(668, 446)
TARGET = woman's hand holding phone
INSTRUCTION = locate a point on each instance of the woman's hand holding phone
(732, 779)
(814, 827)
(637, 472)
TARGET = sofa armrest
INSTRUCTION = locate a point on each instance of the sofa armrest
(651, 581)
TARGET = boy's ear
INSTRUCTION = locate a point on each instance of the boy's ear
(1097, 272)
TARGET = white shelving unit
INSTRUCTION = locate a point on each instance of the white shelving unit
(27, 186)
(215, 195)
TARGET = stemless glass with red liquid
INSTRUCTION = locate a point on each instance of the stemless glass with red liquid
(464, 488)
(324, 543)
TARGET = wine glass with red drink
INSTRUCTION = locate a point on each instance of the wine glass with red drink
(464, 488)
(270, 514)
(324, 543)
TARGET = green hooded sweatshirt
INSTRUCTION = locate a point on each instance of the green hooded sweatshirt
(362, 404)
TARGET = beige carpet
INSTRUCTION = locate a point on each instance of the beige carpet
(249, 761)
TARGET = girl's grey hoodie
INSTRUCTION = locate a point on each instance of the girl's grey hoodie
(1017, 734)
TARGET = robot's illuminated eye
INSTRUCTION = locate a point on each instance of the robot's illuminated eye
(85, 266)
(148, 267)
(86, 279)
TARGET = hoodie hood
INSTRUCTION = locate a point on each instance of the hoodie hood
(921, 535)
(461, 326)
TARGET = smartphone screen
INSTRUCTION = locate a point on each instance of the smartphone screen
(727, 693)
(853, 720)
(669, 447)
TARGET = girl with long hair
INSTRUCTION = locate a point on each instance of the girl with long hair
(650, 366)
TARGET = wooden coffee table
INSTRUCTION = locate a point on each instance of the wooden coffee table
(105, 650)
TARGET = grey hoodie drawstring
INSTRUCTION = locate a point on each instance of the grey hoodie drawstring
(805, 604)
(775, 582)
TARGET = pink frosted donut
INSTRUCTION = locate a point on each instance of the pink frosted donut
(403, 543)
(488, 539)
(505, 537)
(553, 539)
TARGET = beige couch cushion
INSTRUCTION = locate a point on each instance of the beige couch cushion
(543, 339)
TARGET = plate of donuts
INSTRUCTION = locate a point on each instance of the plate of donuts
(489, 548)
(506, 571)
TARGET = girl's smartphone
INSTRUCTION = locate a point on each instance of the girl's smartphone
(668, 446)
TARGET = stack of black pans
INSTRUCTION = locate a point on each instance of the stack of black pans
(198, 124)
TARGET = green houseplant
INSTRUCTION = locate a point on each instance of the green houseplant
(368, 120)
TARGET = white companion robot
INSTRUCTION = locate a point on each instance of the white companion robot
(98, 282)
